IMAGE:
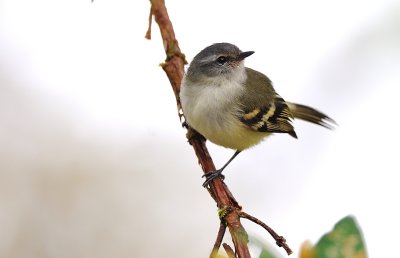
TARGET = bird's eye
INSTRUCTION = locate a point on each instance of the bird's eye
(222, 60)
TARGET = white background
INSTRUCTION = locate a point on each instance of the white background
(93, 160)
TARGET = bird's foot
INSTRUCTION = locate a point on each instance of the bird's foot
(212, 175)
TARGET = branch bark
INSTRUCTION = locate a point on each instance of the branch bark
(174, 68)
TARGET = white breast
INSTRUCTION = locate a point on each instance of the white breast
(210, 108)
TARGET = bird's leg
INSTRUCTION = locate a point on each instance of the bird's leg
(218, 173)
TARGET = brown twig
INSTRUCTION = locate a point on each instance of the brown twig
(223, 199)
(218, 241)
(280, 240)
(148, 32)
(174, 68)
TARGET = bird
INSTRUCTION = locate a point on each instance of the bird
(235, 106)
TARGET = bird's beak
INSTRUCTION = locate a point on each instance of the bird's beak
(243, 55)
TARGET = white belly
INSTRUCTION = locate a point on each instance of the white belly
(211, 110)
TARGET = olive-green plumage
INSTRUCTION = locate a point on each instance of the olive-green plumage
(263, 109)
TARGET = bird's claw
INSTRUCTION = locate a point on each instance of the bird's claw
(211, 176)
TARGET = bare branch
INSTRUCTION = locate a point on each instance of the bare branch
(218, 241)
(280, 240)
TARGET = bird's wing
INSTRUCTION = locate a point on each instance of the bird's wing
(265, 110)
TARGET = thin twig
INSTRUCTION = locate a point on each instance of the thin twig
(280, 240)
(218, 241)
(148, 32)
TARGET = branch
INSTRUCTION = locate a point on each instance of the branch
(174, 68)
(218, 241)
(280, 240)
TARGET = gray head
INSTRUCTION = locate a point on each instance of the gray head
(217, 59)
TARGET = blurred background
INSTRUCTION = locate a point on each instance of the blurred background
(93, 159)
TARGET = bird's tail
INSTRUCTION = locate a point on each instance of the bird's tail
(311, 115)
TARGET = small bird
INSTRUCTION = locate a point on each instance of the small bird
(235, 106)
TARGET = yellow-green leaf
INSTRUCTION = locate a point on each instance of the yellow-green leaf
(344, 241)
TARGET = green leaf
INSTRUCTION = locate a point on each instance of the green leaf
(266, 254)
(344, 241)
